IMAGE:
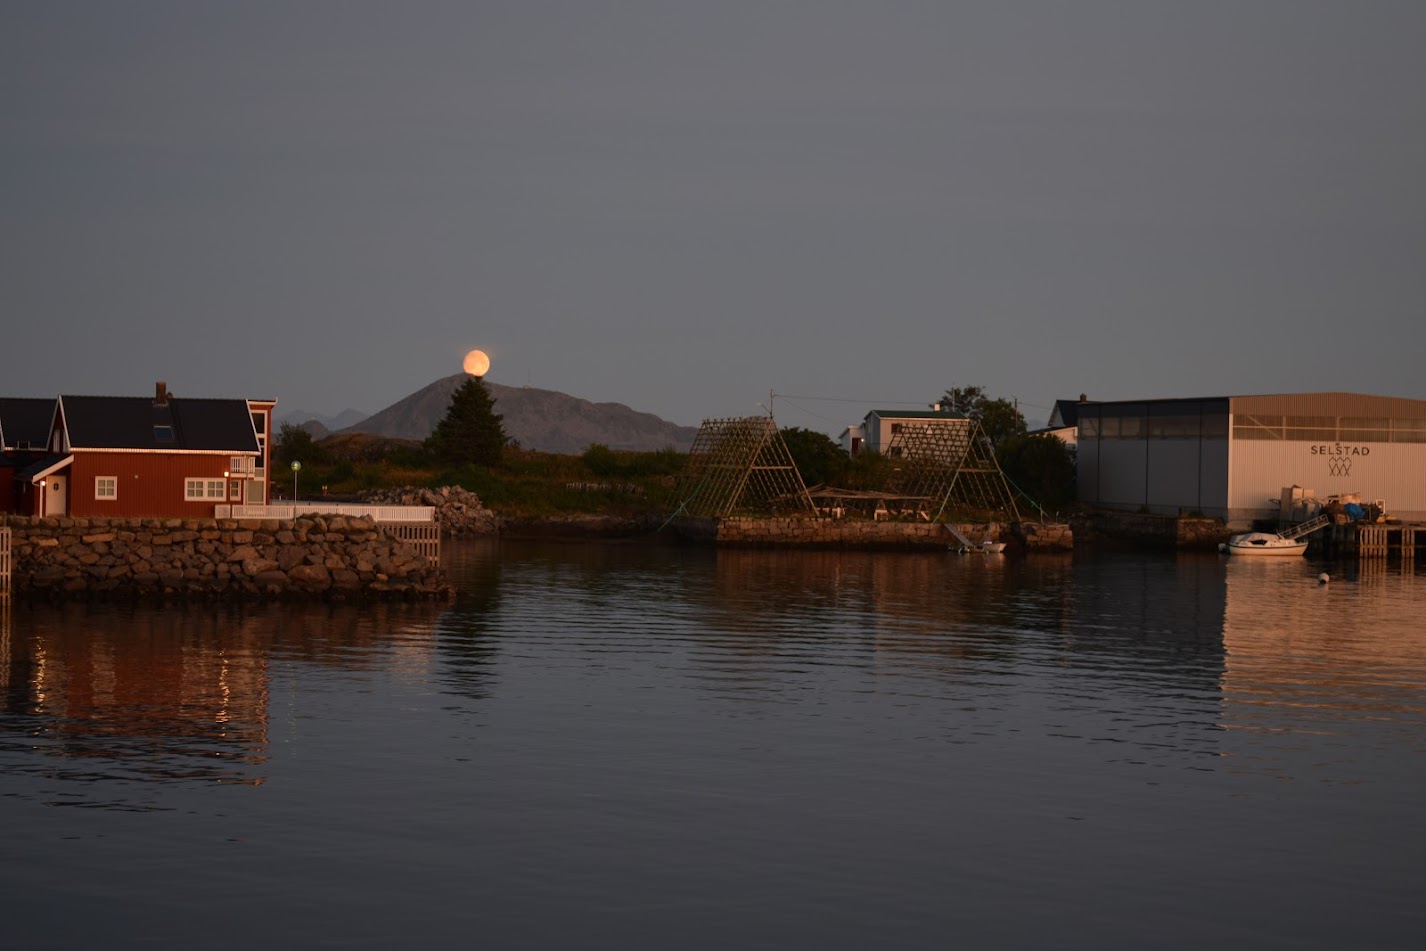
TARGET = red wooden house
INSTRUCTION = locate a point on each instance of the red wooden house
(163, 456)
(24, 433)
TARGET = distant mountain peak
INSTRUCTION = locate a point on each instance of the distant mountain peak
(342, 420)
(545, 420)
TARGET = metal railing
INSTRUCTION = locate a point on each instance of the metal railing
(1306, 528)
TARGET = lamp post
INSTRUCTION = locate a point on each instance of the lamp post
(296, 468)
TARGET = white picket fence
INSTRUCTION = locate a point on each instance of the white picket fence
(382, 513)
(4, 562)
(414, 524)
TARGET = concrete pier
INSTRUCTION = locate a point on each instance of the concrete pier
(868, 534)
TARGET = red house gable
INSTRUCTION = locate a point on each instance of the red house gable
(147, 457)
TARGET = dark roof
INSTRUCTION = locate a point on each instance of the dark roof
(40, 465)
(137, 422)
(26, 420)
(1067, 411)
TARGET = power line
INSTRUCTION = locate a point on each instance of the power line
(841, 399)
(803, 409)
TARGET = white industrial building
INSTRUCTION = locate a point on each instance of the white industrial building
(1232, 456)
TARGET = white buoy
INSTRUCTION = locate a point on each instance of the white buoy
(1323, 578)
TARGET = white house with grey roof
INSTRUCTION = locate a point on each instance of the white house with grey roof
(874, 432)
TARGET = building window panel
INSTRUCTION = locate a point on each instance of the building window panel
(1173, 427)
(1310, 422)
(201, 490)
(1257, 427)
(106, 487)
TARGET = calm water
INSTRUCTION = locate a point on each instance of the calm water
(614, 746)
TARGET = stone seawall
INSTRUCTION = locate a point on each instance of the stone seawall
(1161, 531)
(310, 557)
(858, 533)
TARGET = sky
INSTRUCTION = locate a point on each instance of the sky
(689, 207)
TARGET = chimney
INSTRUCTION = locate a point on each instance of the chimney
(160, 393)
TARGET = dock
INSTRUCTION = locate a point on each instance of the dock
(1381, 540)
(1375, 540)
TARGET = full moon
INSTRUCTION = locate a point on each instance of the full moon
(476, 363)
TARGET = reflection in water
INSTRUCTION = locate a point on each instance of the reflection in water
(711, 749)
(1331, 660)
(467, 647)
(106, 694)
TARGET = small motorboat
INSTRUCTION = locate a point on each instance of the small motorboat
(1264, 543)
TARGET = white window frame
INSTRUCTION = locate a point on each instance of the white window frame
(99, 486)
(205, 489)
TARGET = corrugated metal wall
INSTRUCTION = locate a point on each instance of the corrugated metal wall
(1394, 472)
(1329, 404)
(1332, 443)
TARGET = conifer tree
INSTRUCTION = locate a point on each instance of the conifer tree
(470, 433)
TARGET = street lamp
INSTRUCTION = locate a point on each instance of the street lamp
(296, 468)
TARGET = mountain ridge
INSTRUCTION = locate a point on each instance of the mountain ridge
(301, 417)
(544, 420)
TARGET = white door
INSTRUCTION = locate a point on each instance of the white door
(253, 492)
(56, 495)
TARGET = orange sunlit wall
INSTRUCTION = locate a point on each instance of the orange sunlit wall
(149, 484)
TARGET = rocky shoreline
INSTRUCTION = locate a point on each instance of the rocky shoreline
(461, 514)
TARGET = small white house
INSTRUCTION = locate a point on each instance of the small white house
(875, 431)
(1064, 422)
(852, 438)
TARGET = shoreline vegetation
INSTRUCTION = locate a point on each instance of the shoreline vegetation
(608, 493)
(527, 487)
(469, 451)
